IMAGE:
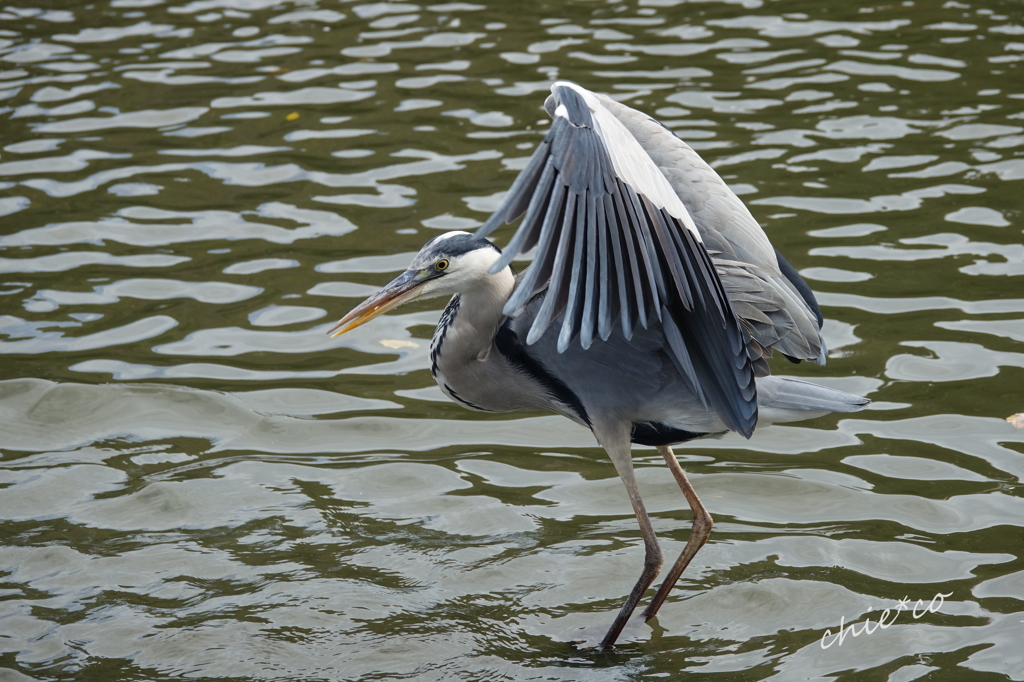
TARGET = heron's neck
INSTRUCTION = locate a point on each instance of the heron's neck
(467, 327)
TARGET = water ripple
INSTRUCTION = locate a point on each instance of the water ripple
(197, 481)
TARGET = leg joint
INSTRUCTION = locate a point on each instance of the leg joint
(654, 558)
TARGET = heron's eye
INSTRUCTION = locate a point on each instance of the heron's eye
(441, 264)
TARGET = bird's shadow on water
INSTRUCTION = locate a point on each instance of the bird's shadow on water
(633, 654)
(589, 638)
(649, 650)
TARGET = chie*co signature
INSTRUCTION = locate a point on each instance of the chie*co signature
(918, 609)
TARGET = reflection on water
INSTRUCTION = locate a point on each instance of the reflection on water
(197, 482)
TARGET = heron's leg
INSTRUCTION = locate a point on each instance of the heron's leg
(618, 448)
(699, 533)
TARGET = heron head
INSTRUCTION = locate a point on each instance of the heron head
(448, 264)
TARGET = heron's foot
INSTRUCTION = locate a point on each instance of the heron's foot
(636, 630)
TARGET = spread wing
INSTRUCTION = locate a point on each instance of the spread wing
(616, 244)
(776, 306)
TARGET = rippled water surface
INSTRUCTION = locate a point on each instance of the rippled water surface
(196, 482)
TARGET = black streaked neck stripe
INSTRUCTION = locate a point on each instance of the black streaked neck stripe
(447, 318)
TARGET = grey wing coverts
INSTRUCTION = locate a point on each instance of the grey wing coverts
(775, 312)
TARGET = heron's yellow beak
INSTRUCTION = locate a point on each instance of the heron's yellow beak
(402, 289)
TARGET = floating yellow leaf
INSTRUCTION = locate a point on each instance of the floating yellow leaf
(398, 343)
(1016, 420)
(294, 116)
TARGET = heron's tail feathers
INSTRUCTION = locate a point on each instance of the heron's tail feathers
(785, 399)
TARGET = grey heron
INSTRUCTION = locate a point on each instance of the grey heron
(647, 314)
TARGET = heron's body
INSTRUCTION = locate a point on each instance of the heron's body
(496, 371)
(652, 303)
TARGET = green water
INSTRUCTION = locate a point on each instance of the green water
(196, 482)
